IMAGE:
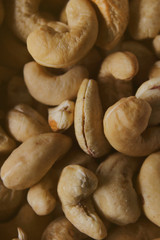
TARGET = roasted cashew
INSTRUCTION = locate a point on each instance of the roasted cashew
(144, 19)
(88, 120)
(33, 158)
(155, 70)
(24, 122)
(125, 127)
(75, 185)
(21, 235)
(115, 196)
(1, 12)
(156, 45)
(7, 144)
(59, 50)
(52, 90)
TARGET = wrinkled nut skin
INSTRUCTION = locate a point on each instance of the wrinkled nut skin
(52, 49)
(7, 144)
(60, 229)
(144, 19)
(52, 90)
(33, 158)
(156, 45)
(75, 185)
(125, 127)
(115, 196)
(88, 120)
(24, 122)
(155, 70)
(61, 117)
(148, 186)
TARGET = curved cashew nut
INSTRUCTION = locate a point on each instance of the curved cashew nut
(60, 50)
(148, 185)
(155, 70)
(33, 158)
(125, 127)
(89, 120)
(75, 185)
(21, 235)
(7, 144)
(52, 90)
(115, 196)
(1, 12)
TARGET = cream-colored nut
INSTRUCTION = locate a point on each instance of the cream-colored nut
(144, 19)
(125, 127)
(156, 45)
(52, 90)
(75, 186)
(10, 201)
(61, 118)
(155, 70)
(32, 159)
(115, 196)
(1, 12)
(7, 144)
(24, 122)
(60, 50)
(41, 196)
(89, 120)
(113, 19)
(150, 92)
(21, 235)
(148, 185)
(63, 15)
(60, 229)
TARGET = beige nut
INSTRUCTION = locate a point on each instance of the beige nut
(155, 70)
(60, 229)
(113, 19)
(89, 120)
(148, 185)
(21, 235)
(32, 159)
(144, 19)
(115, 196)
(52, 90)
(61, 118)
(156, 45)
(75, 186)
(24, 122)
(126, 127)
(59, 50)
(150, 92)
(7, 144)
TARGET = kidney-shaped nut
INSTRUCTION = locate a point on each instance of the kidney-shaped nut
(148, 186)
(60, 229)
(24, 122)
(21, 235)
(61, 118)
(52, 90)
(155, 70)
(7, 144)
(32, 159)
(89, 120)
(150, 92)
(59, 50)
(126, 127)
(115, 196)
(75, 186)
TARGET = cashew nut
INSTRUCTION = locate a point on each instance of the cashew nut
(59, 50)
(156, 45)
(155, 70)
(33, 158)
(75, 185)
(52, 90)
(7, 144)
(21, 235)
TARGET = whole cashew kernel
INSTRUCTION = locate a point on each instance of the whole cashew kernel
(24, 122)
(32, 159)
(75, 185)
(155, 70)
(115, 196)
(52, 90)
(89, 120)
(21, 235)
(59, 50)
(7, 144)
(156, 45)
(61, 118)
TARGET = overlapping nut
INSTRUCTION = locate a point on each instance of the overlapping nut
(156, 45)
(7, 144)
(155, 70)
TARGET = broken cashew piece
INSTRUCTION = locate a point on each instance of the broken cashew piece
(21, 235)
(33, 158)
(7, 144)
(89, 120)
(59, 50)
(53, 90)
(75, 186)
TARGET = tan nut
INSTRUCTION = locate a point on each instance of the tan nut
(89, 120)
(155, 70)
(156, 45)
(144, 19)
(59, 50)
(75, 186)
(115, 196)
(52, 90)
(24, 122)
(32, 159)
(7, 144)
(21, 235)
(61, 118)
(126, 127)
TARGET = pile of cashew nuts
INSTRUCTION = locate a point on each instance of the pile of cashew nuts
(80, 119)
